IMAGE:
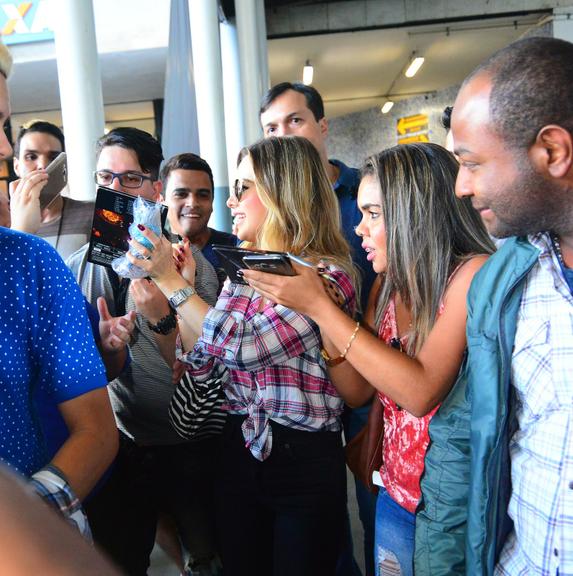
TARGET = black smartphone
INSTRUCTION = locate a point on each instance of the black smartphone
(277, 263)
(57, 171)
(231, 258)
(234, 258)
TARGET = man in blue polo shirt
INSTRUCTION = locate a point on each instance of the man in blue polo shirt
(298, 110)
(46, 341)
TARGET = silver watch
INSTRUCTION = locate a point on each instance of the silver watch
(181, 295)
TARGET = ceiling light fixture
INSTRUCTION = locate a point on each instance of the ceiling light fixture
(415, 64)
(307, 73)
(387, 106)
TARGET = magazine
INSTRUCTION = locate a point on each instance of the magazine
(113, 214)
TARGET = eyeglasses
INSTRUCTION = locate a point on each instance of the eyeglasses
(126, 179)
(239, 189)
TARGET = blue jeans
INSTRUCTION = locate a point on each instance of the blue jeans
(395, 529)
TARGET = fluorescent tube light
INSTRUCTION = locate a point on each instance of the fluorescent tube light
(415, 65)
(307, 73)
(387, 106)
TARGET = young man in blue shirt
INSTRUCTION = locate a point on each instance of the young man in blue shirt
(46, 341)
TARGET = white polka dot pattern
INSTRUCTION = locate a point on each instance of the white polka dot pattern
(45, 340)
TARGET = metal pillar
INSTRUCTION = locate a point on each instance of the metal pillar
(204, 20)
(179, 132)
(254, 71)
(80, 91)
(234, 121)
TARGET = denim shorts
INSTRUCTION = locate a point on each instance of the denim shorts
(394, 539)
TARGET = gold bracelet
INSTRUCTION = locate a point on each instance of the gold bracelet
(339, 359)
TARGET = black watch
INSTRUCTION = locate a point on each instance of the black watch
(166, 325)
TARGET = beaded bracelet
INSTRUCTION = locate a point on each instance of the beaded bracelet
(339, 359)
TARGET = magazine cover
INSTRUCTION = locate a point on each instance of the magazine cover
(110, 228)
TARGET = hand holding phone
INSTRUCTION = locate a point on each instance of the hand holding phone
(25, 209)
(57, 179)
(234, 258)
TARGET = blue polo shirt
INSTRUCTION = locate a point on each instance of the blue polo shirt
(45, 341)
(346, 188)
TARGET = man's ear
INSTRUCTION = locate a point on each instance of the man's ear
(323, 124)
(16, 164)
(158, 187)
(552, 152)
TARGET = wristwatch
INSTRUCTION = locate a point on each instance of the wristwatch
(166, 325)
(181, 295)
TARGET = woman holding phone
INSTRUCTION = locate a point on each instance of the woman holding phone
(426, 246)
(282, 480)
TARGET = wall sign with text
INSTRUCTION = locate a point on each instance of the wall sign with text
(22, 22)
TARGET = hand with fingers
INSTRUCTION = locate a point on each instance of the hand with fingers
(158, 261)
(25, 201)
(287, 290)
(115, 331)
(149, 300)
(178, 370)
(184, 261)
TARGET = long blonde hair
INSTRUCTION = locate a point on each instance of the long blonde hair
(303, 216)
(429, 231)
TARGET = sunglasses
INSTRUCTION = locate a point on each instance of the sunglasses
(239, 188)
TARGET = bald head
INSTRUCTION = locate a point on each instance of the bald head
(516, 157)
(531, 87)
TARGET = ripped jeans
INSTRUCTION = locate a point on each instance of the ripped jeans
(394, 538)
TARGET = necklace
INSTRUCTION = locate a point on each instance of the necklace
(557, 248)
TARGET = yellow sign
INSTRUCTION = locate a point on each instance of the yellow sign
(412, 129)
(409, 124)
(416, 138)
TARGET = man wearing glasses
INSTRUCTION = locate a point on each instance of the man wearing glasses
(156, 471)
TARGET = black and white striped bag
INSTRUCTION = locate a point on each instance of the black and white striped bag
(195, 410)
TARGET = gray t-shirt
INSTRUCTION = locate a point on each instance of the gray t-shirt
(71, 230)
(140, 397)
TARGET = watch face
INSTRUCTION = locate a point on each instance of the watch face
(181, 295)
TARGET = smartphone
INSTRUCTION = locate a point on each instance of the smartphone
(234, 258)
(272, 263)
(231, 258)
(57, 171)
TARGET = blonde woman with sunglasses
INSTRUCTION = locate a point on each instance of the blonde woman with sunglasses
(282, 481)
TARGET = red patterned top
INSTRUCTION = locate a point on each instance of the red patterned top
(405, 436)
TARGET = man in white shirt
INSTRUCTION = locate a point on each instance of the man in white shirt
(512, 126)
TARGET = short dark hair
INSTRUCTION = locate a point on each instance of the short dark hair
(313, 98)
(146, 147)
(532, 86)
(186, 161)
(39, 126)
(446, 118)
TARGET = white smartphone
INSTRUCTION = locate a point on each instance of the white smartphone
(57, 170)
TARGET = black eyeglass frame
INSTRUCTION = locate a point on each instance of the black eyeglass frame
(119, 176)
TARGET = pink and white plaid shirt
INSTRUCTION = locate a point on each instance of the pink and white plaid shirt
(270, 363)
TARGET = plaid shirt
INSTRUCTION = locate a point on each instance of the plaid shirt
(541, 504)
(270, 363)
(51, 485)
